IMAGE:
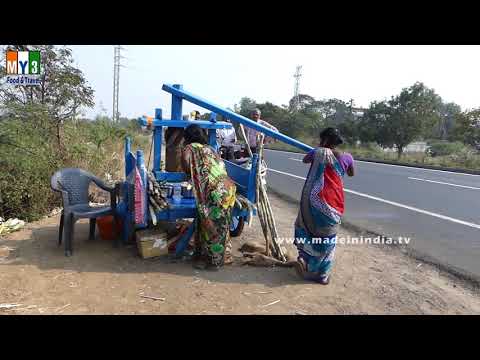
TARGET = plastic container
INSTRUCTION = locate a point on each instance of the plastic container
(105, 226)
(187, 190)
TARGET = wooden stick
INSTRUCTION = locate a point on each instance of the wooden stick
(152, 297)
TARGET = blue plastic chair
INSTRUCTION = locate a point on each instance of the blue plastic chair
(73, 184)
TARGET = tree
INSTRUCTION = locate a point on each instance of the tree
(102, 129)
(374, 124)
(449, 113)
(442, 129)
(63, 90)
(305, 103)
(467, 127)
(349, 130)
(246, 106)
(402, 119)
(333, 111)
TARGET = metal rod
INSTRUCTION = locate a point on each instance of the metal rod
(194, 99)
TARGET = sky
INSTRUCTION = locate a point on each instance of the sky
(224, 74)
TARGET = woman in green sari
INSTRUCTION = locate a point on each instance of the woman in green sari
(215, 195)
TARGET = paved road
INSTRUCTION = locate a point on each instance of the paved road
(438, 210)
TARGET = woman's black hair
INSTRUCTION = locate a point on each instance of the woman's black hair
(194, 134)
(331, 137)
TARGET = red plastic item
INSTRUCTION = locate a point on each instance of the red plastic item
(105, 226)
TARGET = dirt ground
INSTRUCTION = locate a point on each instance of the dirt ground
(99, 279)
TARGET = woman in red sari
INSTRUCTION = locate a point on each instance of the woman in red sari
(321, 207)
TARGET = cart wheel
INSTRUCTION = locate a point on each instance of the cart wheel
(236, 226)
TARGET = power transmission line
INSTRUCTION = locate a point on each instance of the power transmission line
(296, 94)
(116, 80)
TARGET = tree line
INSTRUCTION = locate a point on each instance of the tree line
(417, 113)
(42, 130)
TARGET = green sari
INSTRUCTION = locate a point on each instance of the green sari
(215, 195)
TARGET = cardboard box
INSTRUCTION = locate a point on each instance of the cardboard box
(152, 243)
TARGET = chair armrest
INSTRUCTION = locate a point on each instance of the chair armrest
(114, 195)
(114, 191)
(102, 185)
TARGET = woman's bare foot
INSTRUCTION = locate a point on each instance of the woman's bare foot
(324, 280)
(228, 260)
(300, 268)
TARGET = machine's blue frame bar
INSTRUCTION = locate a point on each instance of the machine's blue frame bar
(178, 93)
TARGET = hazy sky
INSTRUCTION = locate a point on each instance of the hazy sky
(224, 74)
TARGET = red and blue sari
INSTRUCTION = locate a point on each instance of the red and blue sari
(321, 209)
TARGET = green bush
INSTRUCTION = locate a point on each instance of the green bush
(31, 155)
(28, 161)
(442, 148)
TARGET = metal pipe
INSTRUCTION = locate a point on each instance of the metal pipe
(194, 99)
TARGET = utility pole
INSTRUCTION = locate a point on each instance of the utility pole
(116, 80)
(297, 77)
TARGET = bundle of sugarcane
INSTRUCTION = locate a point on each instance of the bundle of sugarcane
(156, 201)
(265, 212)
(264, 209)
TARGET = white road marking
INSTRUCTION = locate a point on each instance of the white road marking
(374, 163)
(286, 152)
(416, 168)
(284, 173)
(432, 181)
(445, 183)
(440, 216)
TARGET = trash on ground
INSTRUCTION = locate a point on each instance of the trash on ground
(9, 306)
(152, 297)
(10, 225)
(272, 303)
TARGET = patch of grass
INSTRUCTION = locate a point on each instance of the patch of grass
(31, 155)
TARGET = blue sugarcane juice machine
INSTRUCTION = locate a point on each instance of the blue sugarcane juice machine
(184, 207)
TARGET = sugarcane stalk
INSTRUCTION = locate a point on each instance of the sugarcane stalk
(267, 226)
(260, 214)
(273, 227)
(152, 215)
(154, 204)
(242, 132)
(268, 210)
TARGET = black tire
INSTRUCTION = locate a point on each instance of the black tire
(237, 230)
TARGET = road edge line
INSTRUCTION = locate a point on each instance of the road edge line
(448, 270)
(392, 163)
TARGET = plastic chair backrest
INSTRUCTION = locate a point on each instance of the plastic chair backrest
(75, 182)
